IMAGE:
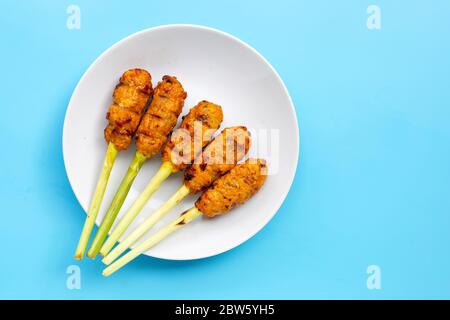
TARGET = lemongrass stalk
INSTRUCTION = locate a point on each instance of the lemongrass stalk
(178, 223)
(110, 157)
(146, 225)
(164, 171)
(116, 203)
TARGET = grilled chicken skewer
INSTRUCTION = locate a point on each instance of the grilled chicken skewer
(129, 100)
(231, 190)
(219, 157)
(156, 124)
(185, 144)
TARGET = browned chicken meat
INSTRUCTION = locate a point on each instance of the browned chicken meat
(234, 188)
(194, 133)
(219, 157)
(161, 116)
(129, 100)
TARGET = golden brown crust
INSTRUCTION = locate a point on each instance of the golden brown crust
(219, 157)
(129, 100)
(234, 188)
(186, 142)
(161, 116)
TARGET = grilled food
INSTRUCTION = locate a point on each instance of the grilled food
(233, 189)
(129, 100)
(161, 117)
(219, 157)
(194, 133)
(229, 191)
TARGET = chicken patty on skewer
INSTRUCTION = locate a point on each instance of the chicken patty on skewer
(220, 156)
(186, 142)
(161, 116)
(233, 189)
(129, 101)
(156, 124)
(229, 191)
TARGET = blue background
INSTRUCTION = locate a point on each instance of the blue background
(373, 181)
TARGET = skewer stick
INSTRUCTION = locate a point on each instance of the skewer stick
(178, 223)
(110, 157)
(147, 224)
(116, 203)
(163, 173)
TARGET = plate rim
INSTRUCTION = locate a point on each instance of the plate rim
(260, 56)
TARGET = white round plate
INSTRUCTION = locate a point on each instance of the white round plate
(211, 65)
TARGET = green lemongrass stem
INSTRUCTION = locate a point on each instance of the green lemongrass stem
(137, 233)
(163, 173)
(110, 157)
(116, 203)
(176, 224)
